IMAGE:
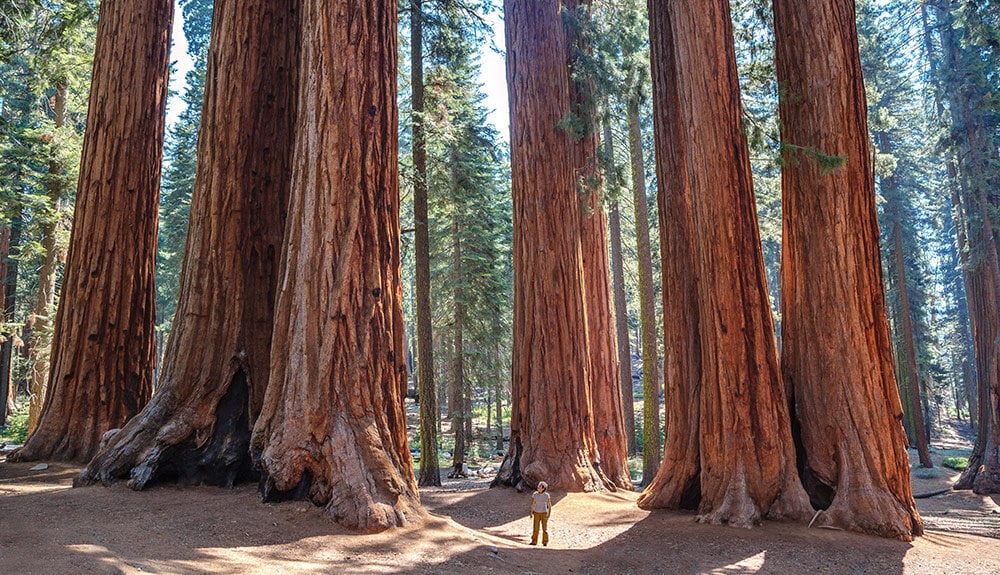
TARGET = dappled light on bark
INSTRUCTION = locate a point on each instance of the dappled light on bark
(836, 352)
(196, 429)
(103, 349)
(332, 429)
(729, 449)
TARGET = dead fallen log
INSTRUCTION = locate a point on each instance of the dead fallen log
(928, 494)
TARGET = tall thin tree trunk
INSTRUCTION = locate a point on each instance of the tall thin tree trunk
(960, 259)
(196, 428)
(745, 466)
(498, 397)
(647, 313)
(836, 350)
(959, 251)
(333, 429)
(908, 350)
(460, 414)
(621, 311)
(45, 296)
(552, 419)
(10, 240)
(103, 349)
(964, 89)
(430, 472)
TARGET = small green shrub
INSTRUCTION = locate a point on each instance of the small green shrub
(956, 463)
(16, 430)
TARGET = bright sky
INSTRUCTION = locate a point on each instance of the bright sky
(494, 76)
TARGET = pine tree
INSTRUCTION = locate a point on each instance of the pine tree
(181, 164)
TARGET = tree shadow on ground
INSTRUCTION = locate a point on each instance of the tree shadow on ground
(166, 529)
(611, 535)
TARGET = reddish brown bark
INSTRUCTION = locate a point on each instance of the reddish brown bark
(196, 428)
(740, 429)
(552, 416)
(103, 347)
(836, 353)
(609, 422)
(621, 311)
(332, 429)
(677, 483)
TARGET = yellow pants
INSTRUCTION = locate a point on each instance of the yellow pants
(543, 520)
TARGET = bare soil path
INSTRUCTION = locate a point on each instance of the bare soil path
(47, 527)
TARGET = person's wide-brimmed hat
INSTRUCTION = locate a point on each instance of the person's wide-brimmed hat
(543, 485)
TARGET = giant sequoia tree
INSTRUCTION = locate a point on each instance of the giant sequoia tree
(729, 448)
(553, 416)
(196, 429)
(332, 429)
(836, 354)
(103, 351)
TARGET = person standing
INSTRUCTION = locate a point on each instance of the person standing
(541, 507)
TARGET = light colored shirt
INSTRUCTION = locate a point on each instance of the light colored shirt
(540, 502)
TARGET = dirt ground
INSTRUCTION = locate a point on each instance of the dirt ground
(46, 527)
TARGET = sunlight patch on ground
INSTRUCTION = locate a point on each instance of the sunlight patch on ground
(747, 566)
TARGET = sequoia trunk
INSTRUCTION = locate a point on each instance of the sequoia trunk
(621, 311)
(552, 417)
(103, 349)
(196, 429)
(836, 353)
(609, 422)
(332, 429)
(746, 461)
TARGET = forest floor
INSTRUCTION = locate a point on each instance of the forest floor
(46, 527)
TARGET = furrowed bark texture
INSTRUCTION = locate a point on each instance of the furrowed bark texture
(747, 458)
(836, 354)
(103, 349)
(677, 482)
(196, 428)
(621, 310)
(332, 429)
(552, 419)
(609, 421)
(621, 327)
(606, 393)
